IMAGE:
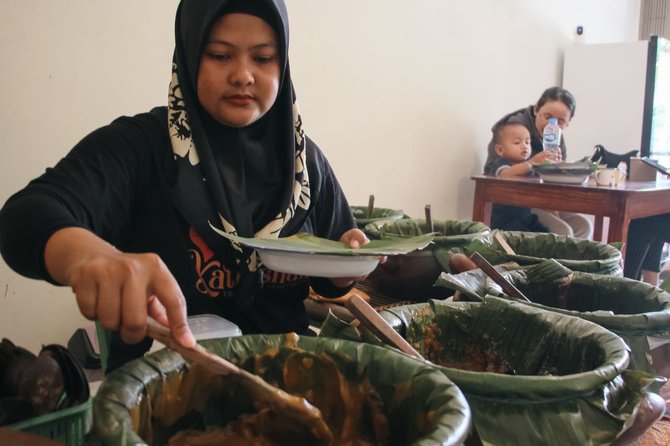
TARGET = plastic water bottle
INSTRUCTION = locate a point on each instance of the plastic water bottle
(551, 137)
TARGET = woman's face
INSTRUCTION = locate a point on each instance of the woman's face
(238, 77)
(552, 109)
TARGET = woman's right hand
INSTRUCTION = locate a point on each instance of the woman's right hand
(117, 289)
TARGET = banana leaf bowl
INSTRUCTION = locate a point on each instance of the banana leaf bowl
(531, 376)
(363, 218)
(534, 247)
(412, 276)
(636, 311)
(367, 394)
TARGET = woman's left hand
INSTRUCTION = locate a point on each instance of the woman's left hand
(355, 238)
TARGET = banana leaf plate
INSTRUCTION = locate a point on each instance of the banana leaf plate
(310, 255)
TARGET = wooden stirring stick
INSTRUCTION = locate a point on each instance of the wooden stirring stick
(498, 278)
(369, 317)
(371, 205)
(503, 243)
(429, 220)
(293, 408)
(197, 354)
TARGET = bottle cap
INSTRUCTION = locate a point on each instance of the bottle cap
(553, 121)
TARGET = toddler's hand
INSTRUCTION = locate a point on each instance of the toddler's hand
(541, 157)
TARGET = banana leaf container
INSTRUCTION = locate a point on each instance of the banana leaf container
(409, 402)
(533, 247)
(636, 311)
(531, 376)
(412, 276)
(378, 215)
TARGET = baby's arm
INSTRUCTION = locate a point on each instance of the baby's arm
(517, 170)
(525, 167)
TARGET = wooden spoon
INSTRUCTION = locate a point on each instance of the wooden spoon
(498, 278)
(369, 317)
(371, 205)
(293, 409)
(503, 243)
(429, 219)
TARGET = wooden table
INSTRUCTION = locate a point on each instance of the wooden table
(622, 203)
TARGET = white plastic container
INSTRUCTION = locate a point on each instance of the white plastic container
(207, 326)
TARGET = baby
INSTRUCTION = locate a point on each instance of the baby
(512, 147)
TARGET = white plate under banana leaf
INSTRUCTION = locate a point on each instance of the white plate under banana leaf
(571, 173)
(306, 254)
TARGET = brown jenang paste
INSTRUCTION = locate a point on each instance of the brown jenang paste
(352, 410)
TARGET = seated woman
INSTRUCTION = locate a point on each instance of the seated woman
(555, 102)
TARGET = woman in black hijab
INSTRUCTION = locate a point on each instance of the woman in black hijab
(125, 218)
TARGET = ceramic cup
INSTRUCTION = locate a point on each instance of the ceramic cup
(608, 176)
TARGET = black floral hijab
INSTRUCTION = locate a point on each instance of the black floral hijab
(249, 180)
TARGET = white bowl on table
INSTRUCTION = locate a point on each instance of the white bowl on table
(567, 173)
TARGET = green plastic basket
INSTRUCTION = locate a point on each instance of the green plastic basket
(67, 426)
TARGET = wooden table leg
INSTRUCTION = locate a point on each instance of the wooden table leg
(598, 228)
(618, 232)
(481, 209)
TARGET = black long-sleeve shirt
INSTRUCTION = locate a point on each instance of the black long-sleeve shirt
(115, 184)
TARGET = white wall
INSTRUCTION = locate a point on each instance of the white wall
(400, 95)
(596, 73)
